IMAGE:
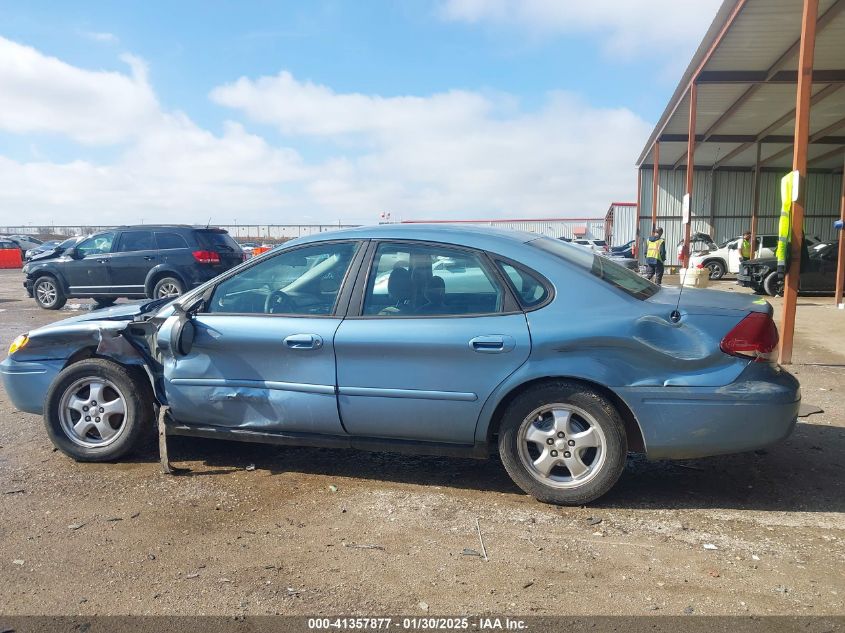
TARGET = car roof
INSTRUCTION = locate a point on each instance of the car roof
(474, 236)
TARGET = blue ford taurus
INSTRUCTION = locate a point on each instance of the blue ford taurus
(441, 340)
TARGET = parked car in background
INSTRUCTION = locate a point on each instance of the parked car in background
(422, 339)
(130, 261)
(818, 271)
(597, 246)
(49, 245)
(6, 244)
(25, 242)
(247, 247)
(699, 242)
(623, 250)
(724, 258)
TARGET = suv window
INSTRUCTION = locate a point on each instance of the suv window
(423, 280)
(136, 241)
(96, 245)
(215, 239)
(170, 240)
(770, 241)
(601, 267)
(529, 289)
(303, 281)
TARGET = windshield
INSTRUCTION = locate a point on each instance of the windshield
(608, 271)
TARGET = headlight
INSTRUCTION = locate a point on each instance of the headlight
(19, 343)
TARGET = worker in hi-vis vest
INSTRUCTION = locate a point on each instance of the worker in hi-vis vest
(655, 255)
(784, 225)
(745, 247)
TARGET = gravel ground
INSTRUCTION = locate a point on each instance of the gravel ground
(310, 531)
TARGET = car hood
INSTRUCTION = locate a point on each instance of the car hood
(48, 254)
(702, 301)
(121, 312)
(763, 261)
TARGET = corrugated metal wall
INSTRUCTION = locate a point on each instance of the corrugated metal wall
(726, 197)
(621, 225)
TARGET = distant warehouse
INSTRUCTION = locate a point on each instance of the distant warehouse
(571, 228)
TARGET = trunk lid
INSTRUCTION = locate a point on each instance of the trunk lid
(220, 242)
(703, 301)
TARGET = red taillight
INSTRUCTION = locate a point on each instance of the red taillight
(699, 266)
(206, 257)
(756, 336)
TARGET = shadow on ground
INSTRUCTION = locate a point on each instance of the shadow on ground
(804, 473)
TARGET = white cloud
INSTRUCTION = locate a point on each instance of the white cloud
(43, 94)
(448, 155)
(625, 26)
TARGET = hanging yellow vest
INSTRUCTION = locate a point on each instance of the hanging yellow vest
(653, 251)
(785, 223)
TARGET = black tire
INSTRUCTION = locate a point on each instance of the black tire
(586, 403)
(48, 293)
(717, 269)
(160, 290)
(103, 302)
(132, 431)
(773, 286)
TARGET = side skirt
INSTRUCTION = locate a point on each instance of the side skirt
(374, 444)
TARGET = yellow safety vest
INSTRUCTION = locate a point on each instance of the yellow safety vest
(785, 223)
(653, 251)
(745, 249)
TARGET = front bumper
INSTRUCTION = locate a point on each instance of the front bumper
(758, 409)
(27, 382)
(28, 285)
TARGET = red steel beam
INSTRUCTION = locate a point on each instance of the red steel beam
(840, 266)
(809, 18)
(655, 183)
(755, 202)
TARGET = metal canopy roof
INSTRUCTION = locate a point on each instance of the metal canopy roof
(746, 90)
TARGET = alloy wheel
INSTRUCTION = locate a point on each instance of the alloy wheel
(168, 290)
(561, 445)
(46, 292)
(92, 412)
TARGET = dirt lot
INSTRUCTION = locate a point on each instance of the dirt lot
(317, 531)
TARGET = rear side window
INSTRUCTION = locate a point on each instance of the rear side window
(425, 280)
(610, 272)
(170, 240)
(529, 289)
(770, 241)
(217, 240)
(136, 241)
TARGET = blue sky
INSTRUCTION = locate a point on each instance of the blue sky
(452, 108)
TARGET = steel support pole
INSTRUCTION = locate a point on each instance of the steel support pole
(840, 265)
(693, 99)
(655, 184)
(755, 202)
(799, 163)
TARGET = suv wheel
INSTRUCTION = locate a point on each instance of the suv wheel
(168, 287)
(563, 443)
(97, 410)
(717, 269)
(48, 294)
(772, 285)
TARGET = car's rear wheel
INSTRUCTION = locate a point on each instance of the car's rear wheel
(168, 287)
(563, 442)
(48, 293)
(97, 410)
(717, 269)
(773, 285)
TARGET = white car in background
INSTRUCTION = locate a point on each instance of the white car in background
(599, 247)
(724, 258)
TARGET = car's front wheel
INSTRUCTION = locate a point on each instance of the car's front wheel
(97, 410)
(563, 443)
(773, 285)
(48, 293)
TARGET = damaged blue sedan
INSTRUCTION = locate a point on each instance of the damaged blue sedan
(423, 339)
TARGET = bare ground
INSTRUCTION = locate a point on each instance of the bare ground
(323, 531)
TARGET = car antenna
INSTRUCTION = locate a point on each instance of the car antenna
(208, 224)
(676, 313)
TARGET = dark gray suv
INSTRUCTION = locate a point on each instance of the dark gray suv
(152, 261)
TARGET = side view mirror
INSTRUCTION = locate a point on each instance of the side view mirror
(732, 247)
(73, 253)
(177, 334)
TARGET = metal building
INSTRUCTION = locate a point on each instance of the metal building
(761, 98)
(591, 228)
(620, 223)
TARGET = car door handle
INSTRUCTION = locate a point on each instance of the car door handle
(149, 258)
(304, 341)
(102, 261)
(492, 344)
